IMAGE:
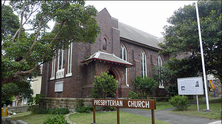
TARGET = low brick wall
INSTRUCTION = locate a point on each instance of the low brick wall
(18, 108)
(70, 103)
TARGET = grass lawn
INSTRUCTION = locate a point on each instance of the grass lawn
(214, 105)
(162, 106)
(111, 118)
(33, 118)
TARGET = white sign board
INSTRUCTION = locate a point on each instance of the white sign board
(190, 86)
(59, 86)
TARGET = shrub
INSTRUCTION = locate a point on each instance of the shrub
(109, 108)
(58, 119)
(133, 95)
(145, 85)
(181, 102)
(172, 90)
(104, 86)
(34, 109)
(84, 109)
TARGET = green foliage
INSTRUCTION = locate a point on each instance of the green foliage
(164, 74)
(172, 90)
(35, 100)
(10, 22)
(21, 88)
(79, 103)
(145, 85)
(23, 51)
(9, 90)
(58, 111)
(58, 119)
(181, 102)
(181, 37)
(34, 109)
(104, 86)
(84, 109)
(105, 108)
(132, 95)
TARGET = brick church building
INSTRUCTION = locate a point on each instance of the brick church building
(124, 51)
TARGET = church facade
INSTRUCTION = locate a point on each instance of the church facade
(124, 51)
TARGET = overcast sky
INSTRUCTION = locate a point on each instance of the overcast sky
(148, 16)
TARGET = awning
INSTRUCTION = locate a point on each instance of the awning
(107, 57)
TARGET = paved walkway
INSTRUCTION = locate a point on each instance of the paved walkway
(164, 115)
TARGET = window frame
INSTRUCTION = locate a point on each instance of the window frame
(143, 64)
(60, 67)
(160, 64)
(104, 44)
(69, 63)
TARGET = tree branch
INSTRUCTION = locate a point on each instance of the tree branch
(20, 28)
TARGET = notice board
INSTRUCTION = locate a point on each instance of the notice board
(190, 86)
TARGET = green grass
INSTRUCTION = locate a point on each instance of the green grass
(162, 106)
(214, 105)
(33, 118)
(111, 118)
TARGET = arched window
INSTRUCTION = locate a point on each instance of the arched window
(160, 76)
(143, 64)
(123, 55)
(104, 43)
(123, 52)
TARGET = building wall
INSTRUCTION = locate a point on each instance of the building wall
(36, 85)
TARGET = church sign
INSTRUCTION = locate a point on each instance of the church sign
(124, 103)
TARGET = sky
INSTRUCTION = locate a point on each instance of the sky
(148, 16)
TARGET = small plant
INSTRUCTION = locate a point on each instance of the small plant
(133, 95)
(58, 119)
(84, 109)
(181, 102)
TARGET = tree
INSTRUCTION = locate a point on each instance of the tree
(104, 86)
(21, 88)
(24, 51)
(182, 37)
(10, 22)
(164, 74)
(145, 86)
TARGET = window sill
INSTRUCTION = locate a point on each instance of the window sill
(69, 75)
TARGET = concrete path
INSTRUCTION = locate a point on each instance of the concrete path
(164, 115)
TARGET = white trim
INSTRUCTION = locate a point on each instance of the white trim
(59, 86)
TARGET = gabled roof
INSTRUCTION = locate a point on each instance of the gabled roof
(137, 36)
(107, 57)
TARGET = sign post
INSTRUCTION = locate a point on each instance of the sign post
(124, 103)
